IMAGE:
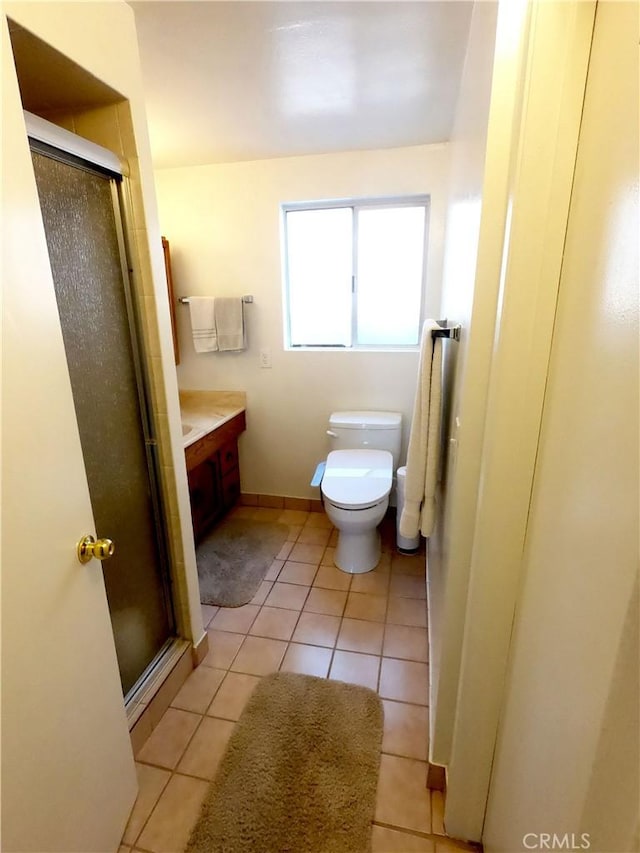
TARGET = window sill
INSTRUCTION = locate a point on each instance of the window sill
(353, 349)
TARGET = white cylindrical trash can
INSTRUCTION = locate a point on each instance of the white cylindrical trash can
(403, 542)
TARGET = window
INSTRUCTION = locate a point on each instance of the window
(354, 272)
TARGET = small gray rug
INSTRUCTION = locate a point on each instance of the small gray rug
(299, 774)
(234, 558)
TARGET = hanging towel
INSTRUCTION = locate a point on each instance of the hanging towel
(203, 327)
(229, 324)
(418, 515)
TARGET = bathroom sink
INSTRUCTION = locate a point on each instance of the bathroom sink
(191, 433)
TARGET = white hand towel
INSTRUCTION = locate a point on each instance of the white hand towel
(418, 514)
(229, 324)
(203, 327)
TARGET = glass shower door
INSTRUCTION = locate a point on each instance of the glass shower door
(100, 341)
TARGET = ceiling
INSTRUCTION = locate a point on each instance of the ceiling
(242, 80)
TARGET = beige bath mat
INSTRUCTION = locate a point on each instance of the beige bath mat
(299, 774)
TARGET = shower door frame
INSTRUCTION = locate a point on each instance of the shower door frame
(143, 382)
(103, 163)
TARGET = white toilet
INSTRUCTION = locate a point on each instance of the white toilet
(357, 481)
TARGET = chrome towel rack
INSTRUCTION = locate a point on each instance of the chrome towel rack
(184, 300)
(450, 332)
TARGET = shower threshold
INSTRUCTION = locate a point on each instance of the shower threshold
(155, 676)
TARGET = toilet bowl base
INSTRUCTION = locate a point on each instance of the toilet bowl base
(358, 552)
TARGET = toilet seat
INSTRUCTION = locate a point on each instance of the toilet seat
(357, 479)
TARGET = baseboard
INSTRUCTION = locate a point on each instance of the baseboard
(281, 502)
(200, 650)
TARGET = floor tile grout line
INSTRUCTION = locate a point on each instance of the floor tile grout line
(144, 823)
(142, 849)
(294, 628)
(428, 836)
(333, 650)
(384, 633)
(218, 688)
(173, 771)
(310, 642)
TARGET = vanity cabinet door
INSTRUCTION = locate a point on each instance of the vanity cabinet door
(230, 488)
(205, 492)
(228, 457)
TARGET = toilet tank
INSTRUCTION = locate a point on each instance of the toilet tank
(367, 430)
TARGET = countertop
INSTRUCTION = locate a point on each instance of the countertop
(203, 411)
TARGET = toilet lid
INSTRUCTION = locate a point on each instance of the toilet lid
(356, 479)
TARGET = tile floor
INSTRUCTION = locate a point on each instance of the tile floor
(309, 617)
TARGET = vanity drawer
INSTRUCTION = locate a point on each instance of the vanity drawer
(219, 440)
(196, 453)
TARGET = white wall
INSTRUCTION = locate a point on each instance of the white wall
(567, 756)
(223, 224)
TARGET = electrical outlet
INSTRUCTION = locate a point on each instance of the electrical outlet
(265, 357)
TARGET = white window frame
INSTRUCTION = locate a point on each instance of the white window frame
(356, 204)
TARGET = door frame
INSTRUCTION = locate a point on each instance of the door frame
(556, 56)
(149, 426)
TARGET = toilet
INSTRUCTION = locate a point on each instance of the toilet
(356, 483)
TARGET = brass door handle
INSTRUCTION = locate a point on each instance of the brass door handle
(88, 547)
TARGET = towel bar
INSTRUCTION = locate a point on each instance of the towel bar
(184, 300)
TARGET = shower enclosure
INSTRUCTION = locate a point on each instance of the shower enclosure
(81, 215)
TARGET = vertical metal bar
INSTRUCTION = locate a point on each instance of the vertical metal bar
(286, 302)
(141, 370)
(354, 276)
(425, 260)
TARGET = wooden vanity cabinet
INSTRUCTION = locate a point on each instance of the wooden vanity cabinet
(213, 474)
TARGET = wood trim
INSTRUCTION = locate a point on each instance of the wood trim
(172, 299)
